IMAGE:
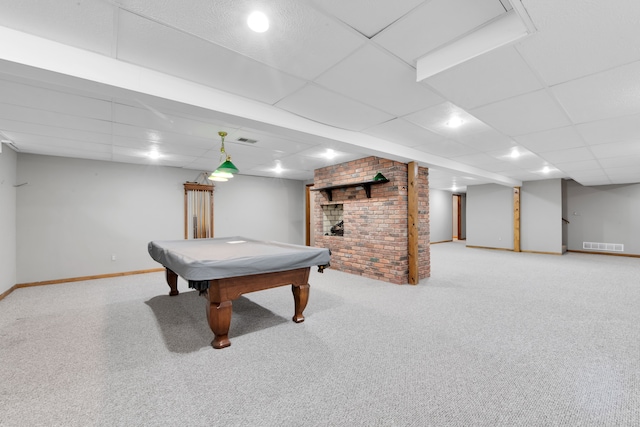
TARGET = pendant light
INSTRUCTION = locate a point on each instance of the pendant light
(226, 169)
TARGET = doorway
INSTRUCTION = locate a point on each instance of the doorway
(456, 220)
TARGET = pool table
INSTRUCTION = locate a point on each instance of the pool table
(223, 269)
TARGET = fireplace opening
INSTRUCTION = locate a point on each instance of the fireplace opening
(333, 220)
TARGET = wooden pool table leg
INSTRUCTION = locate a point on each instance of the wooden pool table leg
(172, 281)
(219, 317)
(300, 298)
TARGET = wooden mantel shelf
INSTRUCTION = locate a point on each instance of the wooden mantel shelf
(365, 184)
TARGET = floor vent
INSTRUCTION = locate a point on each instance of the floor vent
(614, 247)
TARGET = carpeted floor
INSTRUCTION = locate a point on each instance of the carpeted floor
(493, 338)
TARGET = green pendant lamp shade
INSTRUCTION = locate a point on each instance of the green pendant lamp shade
(226, 169)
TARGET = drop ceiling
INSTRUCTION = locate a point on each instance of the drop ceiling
(113, 80)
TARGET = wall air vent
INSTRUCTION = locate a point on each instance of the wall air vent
(612, 247)
(247, 140)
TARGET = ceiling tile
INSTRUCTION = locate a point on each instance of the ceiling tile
(611, 130)
(486, 141)
(621, 162)
(170, 51)
(616, 149)
(567, 155)
(402, 132)
(359, 77)
(522, 175)
(602, 96)
(28, 142)
(551, 140)
(575, 39)
(367, 16)
(525, 159)
(591, 179)
(434, 24)
(327, 107)
(40, 98)
(436, 118)
(50, 118)
(44, 130)
(301, 40)
(445, 148)
(483, 160)
(581, 165)
(83, 24)
(528, 113)
(491, 77)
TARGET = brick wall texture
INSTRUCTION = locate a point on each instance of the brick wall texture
(375, 241)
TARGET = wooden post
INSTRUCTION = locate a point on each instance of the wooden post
(413, 223)
(516, 219)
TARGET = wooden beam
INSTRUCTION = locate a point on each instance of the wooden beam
(310, 226)
(516, 219)
(413, 223)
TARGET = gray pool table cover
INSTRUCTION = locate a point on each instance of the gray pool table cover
(217, 258)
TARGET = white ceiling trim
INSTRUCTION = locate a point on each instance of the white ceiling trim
(504, 30)
(45, 54)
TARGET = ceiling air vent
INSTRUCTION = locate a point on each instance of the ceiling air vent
(613, 247)
(247, 140)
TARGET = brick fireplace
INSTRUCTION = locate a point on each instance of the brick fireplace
(375, 237)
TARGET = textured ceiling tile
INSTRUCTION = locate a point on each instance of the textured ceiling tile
(612, 93)
(621, 162)
(300, 40)
(486, 141)
(569, 154)
(551, 140)
(532, 112)
(436, 120)
(170, 51)
(491, 77)
(82, 24)
(402, 132)
(581, 165)
(575, 39)
(54, 131)
(611, 130)
(376, 78)
(43, 99)
(327, 107)
(367, 16)
(616, 149)
(434, 24)
(445, 148)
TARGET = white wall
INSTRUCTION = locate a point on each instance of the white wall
(604, 214)
(75, 214)
(8, 168)
(541, 216)
(440, 215)
(260, 208)
(490, 216)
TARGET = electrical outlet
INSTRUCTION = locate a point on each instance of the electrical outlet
(113, 257)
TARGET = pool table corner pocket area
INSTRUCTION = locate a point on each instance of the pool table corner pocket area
(223, 273)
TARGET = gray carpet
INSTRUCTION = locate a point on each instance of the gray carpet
(493, 338)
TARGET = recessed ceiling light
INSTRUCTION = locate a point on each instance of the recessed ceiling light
(330, 154)
(258, 22)
(278, 168)
(546, 169)
(153, 154)
(515, 153)
(454, 122)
